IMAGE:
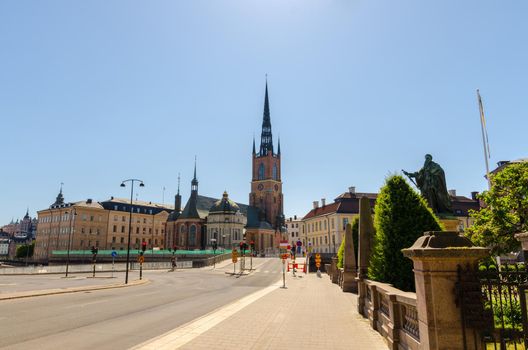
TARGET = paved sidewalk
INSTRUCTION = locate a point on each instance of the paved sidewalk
(312, 313)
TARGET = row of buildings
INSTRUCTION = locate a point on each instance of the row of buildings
(203, 220)
(15, 234)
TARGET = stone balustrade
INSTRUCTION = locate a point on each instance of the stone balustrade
(392, 313)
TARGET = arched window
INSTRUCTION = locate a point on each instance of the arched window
(261, 171)
(182, 229)
(275, 174)
(192, 235)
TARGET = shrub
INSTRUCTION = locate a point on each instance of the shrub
(401, 216)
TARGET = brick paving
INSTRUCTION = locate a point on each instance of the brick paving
(312, 313)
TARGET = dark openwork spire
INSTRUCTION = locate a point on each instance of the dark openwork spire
(254, 149)
(194, 182)
(266, 139)
(278, 147)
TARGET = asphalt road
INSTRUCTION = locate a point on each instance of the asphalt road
(124, 317)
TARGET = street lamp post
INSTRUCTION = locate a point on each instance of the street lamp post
(73, 213)
(130, 220)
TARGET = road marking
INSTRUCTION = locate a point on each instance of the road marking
(7, 284)
(182, 335)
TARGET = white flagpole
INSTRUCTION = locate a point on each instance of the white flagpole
(484, 138)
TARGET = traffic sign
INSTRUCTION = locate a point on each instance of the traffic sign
(114, 254)
(318, 260)
(234, 256)
(141, 259)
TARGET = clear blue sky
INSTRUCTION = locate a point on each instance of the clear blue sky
(93, 92)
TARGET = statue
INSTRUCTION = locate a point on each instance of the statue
(432, 184)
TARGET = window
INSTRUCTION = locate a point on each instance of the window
(345, 223)
(82, 229)
(137, 229)
(123, 218)
(144, 220)
(122, 229)
(115, 228)
(116, 207)
(192, 235)
(182, 229)
(91, 218)
(261, 171)
(332, 221)
(325, 225)
(113, 239)
(122, 239)
(150, 230)
(275, 173)
(138, 210)
(115, 217)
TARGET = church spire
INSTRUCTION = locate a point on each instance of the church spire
(266, 139)
(60, 198)
(278, 147)
(194, 182)
(254, 151)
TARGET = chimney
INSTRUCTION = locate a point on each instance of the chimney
(452, 193)
(295, 217)
(474, 195)
(323, 202)
(316, 204)
(89, 201)
(352, 189)
(112, 198)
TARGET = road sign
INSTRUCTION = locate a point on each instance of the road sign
(114, 254)
(234, 256)
(285, 256)
(141, 259)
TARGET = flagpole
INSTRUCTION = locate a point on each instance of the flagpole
(485, 144)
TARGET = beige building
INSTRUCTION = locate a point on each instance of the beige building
(225, 223)
(87, 224)
(323, 228)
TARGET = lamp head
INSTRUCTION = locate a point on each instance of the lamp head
(122, 184)
(141, 184)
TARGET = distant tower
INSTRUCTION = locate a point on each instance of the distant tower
(266, 184)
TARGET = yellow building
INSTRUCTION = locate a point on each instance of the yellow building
(323, 228)
(86, 224)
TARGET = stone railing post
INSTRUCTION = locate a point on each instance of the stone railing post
(349, 282)
(436, 256)
(334, 270)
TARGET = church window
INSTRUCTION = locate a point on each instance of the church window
(261, 171)
(275, 175)
(182, 229)
(192, 235)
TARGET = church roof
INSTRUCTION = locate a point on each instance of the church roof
(224, 205)
(204, 204)
(254, 221)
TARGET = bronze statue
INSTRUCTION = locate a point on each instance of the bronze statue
(432, 184)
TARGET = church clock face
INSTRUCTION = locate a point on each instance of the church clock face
(260, 187)
(276, 187)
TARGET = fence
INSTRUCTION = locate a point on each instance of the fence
(391, 312)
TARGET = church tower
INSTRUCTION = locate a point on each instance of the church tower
(266, 184)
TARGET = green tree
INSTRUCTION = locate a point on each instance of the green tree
(355, 235)
(401, 216)
(22, 251)
(505, 212)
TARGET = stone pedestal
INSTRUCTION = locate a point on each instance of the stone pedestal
(523, 238)
(436, 256)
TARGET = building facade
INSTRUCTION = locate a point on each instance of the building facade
(293, 227)
(85, 224)
(225, 223)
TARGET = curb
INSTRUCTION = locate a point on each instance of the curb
(39, 293)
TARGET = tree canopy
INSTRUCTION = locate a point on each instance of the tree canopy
(505, 211)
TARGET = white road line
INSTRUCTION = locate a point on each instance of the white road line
(186, 333)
